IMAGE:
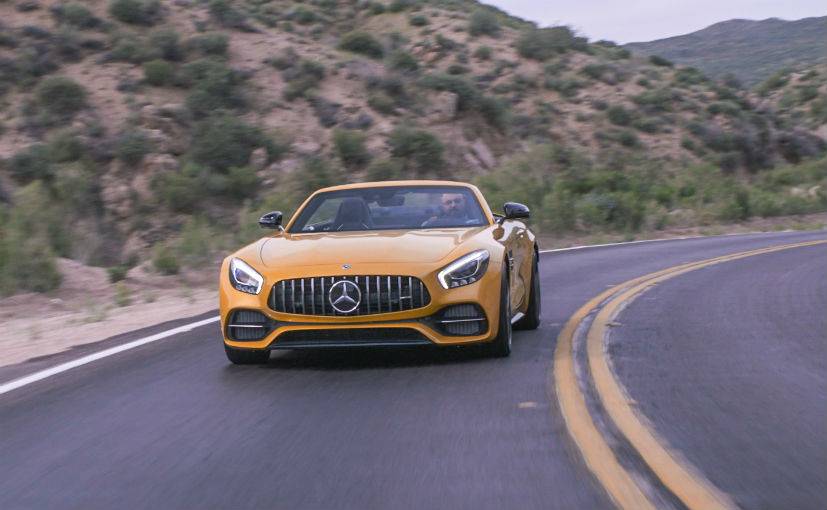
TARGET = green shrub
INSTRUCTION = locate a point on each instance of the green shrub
(350, 147)
(213, 85)
(774, 82)
(137, 12)
(242, 182)
(225, 14)
(724, 108)
(60, 95)
(401, 60)
(445, 43)
(131, 147)
(381, 101)
(543, 43)
(765, 205)
(181, 191)
(567, 86)
(302, 15)
(362, 43)
(484, 22)
(165, 42)
(421, 149)
(493, 111)
(377, 8)
(807, 93)
(302, 79)
(686, 76)
(224, 141)
(386, 169)
(457, 69)
(126, 49)
(117, 273)
(646, 125)
(210, 44)
(399, 5)
(658, 100)
(619, 115)
(818, 109)
(736, 206)
(27, 256)
(158, 72)
(660, 61)
(31, 163)
(325, 110)
(195, 242)
(627, 138)
(164, 260)
(315, 174)
(123, 296)
(78, 15)
(483, 53)
(418, 20)
(65, 147)
(467, 92)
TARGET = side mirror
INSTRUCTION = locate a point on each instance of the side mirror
(514, 210)
(270, 220)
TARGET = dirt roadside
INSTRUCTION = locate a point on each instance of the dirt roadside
(88, 308)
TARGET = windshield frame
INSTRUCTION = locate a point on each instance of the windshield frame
(310, 206)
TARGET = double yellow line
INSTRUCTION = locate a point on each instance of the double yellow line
(676, 474)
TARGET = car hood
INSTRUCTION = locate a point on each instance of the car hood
(363, 247)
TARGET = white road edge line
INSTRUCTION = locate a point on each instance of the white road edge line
(63, 367)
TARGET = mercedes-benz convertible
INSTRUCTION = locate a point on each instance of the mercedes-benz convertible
(396, 263)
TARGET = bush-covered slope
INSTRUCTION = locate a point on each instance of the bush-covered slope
(137, 130)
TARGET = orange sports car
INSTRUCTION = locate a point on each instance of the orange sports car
(383, 264)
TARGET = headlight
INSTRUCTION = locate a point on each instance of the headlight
(245, 278)
(464, 270)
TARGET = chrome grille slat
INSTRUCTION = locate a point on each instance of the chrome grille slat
(367, 292)
(293, 294)
(321, 282)
(390, 303)
(379, 294)
(313, 296)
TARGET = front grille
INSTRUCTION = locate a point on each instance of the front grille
(377, 294)
(348, 337)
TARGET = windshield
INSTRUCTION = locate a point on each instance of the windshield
(386, 208)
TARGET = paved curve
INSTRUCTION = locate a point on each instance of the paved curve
(173, 425)
(736, 377)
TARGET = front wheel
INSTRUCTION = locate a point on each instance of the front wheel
(501, 346)
(245, 357)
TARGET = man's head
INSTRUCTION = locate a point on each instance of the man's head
(453, 204)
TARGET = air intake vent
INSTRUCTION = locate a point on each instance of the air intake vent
(247, 326)
(349, 295)
(463, 320)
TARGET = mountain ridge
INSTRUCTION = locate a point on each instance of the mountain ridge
(752, 50)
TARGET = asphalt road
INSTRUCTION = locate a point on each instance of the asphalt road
(728, 362)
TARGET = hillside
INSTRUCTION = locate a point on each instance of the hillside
(750, 50)
(140, 130)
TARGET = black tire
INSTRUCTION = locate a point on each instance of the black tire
(501, 346)
(245, 357)
(531, 320)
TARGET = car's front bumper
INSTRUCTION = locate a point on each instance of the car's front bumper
(427, 325)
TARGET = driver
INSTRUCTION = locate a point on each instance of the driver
(451, 207)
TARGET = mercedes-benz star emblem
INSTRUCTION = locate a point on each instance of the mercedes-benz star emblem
(344, 296)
